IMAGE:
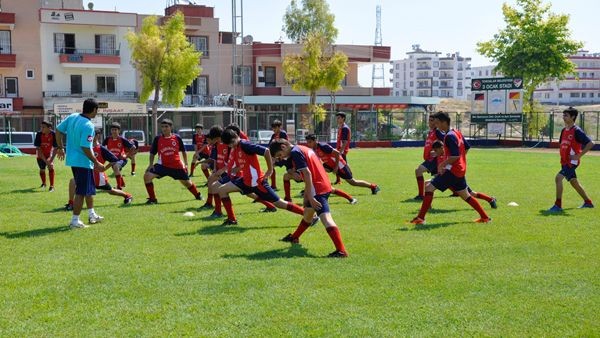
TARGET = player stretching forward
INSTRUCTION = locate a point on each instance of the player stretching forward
(278, 133)
(201, 151)
(430, 161)
(451, 171)
(121, 148)
(574, 143)
(103, 155)
(316, 192)
(168, 146)
(218, 158)
(332, 161)
(245, 156)
(45, 145)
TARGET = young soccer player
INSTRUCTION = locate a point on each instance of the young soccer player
(316, 192)
(121, 148)
(451, 171)
(218, 158)
(168, 146)
(250, 178)
(201, 150)
(343, 140)
(278, 133)
(574, 143)
(429, 158)
(334, 162)
(45, 146)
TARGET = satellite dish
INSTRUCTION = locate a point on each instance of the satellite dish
(248, 39)
(91, 6)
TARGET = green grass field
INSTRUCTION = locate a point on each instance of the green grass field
(150, 271)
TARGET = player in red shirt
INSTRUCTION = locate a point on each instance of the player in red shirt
(429, 158)
(316, 192)
(168, 146)
(451, 171)
(342, 143)
(574, 143)
(45, 145)
(278, 133)
(132, 154)
(201, 151)
(121, 148)
(249, 177)
(218, 160)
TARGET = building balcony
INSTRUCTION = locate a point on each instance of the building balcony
(423, 67)
(447, 67)
(423, 77)
(125, 95)
(446, 77)
(8, 60)
(90, 58)
(7, 20)
(346, 90)
(268, 91)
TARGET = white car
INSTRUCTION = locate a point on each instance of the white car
(186, 134)
(138, 135)
(260, 136)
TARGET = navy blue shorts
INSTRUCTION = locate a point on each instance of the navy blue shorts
(176, 174)
(84, 181)
(323, 199)
(263, 190)
(448, 180)
(431, 166)
(121, 163)
(224, 178)
(201, 156)
(568, 171)
(41, 163)
(344, 172)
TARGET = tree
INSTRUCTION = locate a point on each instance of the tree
(313, 17)
(534, 45)
(166, 61)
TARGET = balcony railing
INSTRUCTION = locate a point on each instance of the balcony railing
(116, 95)
(96, 51)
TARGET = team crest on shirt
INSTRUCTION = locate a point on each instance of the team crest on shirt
(224, 151)
(570, 137)
(174, 143)
(90, 138)
(119, 145)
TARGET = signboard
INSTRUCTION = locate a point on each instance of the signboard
(496, 118)
(104, 107)
(6, 105)
(496, 83)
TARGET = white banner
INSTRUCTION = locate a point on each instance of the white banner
(108, 108)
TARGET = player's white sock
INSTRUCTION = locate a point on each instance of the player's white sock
(74, 219)
(91, 212)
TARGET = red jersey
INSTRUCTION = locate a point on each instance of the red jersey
(571, 141)
(325, 152)
(168, 149)
(222, 155)
(343, 135)
(117, 146)
(432, 136)
(102, 154)
(46, 142)
(245, 156)
(304, 157)
(454, 145)
(199, 140)
(243, 136)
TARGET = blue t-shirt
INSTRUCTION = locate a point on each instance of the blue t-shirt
(80, 133)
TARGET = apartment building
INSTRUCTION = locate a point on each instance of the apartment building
(430, 74)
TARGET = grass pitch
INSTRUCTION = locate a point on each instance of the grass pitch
(150, 271)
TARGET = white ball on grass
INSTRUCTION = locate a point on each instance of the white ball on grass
(513, 204)
(188, 214)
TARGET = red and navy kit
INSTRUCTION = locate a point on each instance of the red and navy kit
(343, 135)
(199, 141)
(571, 140)
(102, 154)
(168, 149)
(304, 157)
(455, 145)
(46, 142)
(433, 135)
(245, 157)
(325, 153)
(118, 146)
(277, 136)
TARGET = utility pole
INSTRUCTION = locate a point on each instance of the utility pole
(378, 71)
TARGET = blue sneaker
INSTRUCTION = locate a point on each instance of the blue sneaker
(375, 190)
(555, 208)
(586, 205)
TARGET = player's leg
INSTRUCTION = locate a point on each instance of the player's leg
(42, 172)
(118, 177)
(224, 190)
(346, 174)
(419, 171)
(69, 205)
(461, 188)
(274, 180)
(132, 157)
(150, 175)
(194, 163)
(265, 192)
(587, 202)
(334, 233)
(51, 175)
(440, 182)
(205, 169)
(343, 194)
(191, 187)
(482, 196)
(558, 181)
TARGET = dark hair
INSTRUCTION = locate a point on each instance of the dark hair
(234, 127)
(89, 105)
(98, 131)
(214, 132)
(198, 125)
(275, 123)
(167, 121)
(442, 116)
(437, 144)
(312, 137)
(115, 125)
(228, 136)
(275, 146)
(572, 112)
(47, 123)
(340, 114)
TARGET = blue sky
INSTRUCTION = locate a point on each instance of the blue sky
(441, 25)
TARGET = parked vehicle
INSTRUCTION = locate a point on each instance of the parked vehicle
(187, 135)
(138, 135)
(260, 136)
(18, 138)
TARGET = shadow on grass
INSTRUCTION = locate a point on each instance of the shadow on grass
(554, 213)
(223, 229)
(34, 232)
(59, 209)
(25, 191)
(294, 251)
(427, 226)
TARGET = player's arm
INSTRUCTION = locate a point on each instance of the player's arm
(337, 159)
(153, 152)
(269, 160)
(345, 139)
(60, 147)
(308, 193)
(53, 151)
(129, 146)
(183, 152)
(582, 138)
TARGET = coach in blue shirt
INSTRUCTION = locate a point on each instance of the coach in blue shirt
(80, 157)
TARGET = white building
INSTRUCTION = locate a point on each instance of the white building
(428, 74)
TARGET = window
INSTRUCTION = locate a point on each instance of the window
(592, 95)
(105, 44)
(574, 94)
(404, 93)
(547, 95)
(270, 77)
(201, 44)
(64, 43)
(198, 87)
(397, 93)
(105, 84)
(11, 87)
(29, 74)
(398, 66)
(412, 85)
(583, 95)
(436, 93)
(436, 83)
(398, 75)
(50, 77)
(243, 75)
(560, 95)
(436, 63)
(76, 84)
(459, 92)
(436, 73)
(397, 85)
(5, 45)
(412, 65)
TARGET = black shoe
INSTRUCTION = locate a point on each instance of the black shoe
(133, 173)
(338, 254)
(199, 197)
(375, 190)
(493, 203)
(289, 238)
(418, 198)
(216, 215)
(229, 222)
(207, 206)
(68, 207)
(51, 189)
(43, 186)
(314, 221)
(151, 201)
(269, 210)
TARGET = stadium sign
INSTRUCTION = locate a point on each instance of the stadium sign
(496, 118)
(496, 83)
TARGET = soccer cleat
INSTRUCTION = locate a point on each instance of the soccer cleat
(95, 219)
(417, 221)
(338, 254)
(51, 189)
(555, 208)
(375, 190)
(68, 207)
(78, 225)
(353, 201)
(586, 205)
(290, 238)
(418, 198)
(229, 222)
(128, 200)
(314, 221)
(483, 220)
(269, 210)
(216, 215)
(199, 197)
(151, 201)
(133, 173)
(207, 206)
(43, 186)
(493, 203)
